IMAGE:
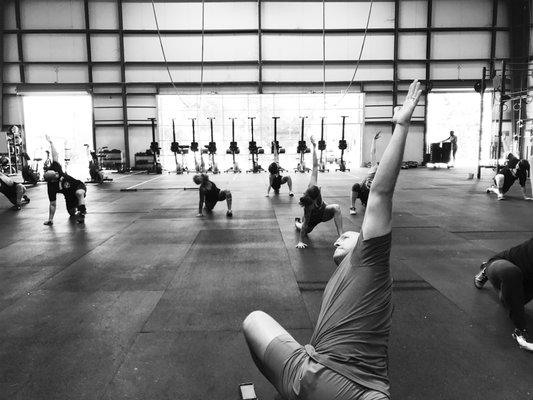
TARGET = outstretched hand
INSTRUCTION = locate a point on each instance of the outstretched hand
(313, 140)
(301, 245)
(377, 135)
(47, 137)
(402, 115)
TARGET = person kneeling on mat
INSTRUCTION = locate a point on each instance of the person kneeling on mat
(315, 210)
(361, 190)
(210, 195)
(348, 354)
(275, 180)
(60, 182)
(15, 192)
(505, 178)
(511, 274)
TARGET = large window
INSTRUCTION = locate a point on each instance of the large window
(288, 107)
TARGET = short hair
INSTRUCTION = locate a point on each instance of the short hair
(200, 178)
(49, 175)
(524, 165)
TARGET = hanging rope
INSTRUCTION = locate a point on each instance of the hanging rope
(360, 52)
(164, 54)
(202, 59)
(324, 57)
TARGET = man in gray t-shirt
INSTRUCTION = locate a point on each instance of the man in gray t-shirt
(348, 354)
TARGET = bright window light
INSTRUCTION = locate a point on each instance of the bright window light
(289, 107)
(459, 112)
(67, 119)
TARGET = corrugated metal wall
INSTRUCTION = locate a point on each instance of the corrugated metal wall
(249, 47)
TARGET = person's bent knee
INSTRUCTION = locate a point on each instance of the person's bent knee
(251, 320)
(336, 208)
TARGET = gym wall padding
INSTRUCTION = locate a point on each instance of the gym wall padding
(375, 73)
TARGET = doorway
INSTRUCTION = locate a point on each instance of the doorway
(458, 111)
(67, 119)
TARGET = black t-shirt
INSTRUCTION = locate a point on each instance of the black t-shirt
(8, 190)
(211, 195)
(67, 185)
(315, 210)
(509, 178)
(521, 256)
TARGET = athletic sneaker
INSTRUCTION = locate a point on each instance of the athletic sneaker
(481, 278)
(26, 198)
(291, 194)
(500, 197)
(521, 337)
(353, 211)
(229, 213)
(297, 219)
(80, 217)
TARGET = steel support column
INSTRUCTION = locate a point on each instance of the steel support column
(89, 61)
(123, 82)
(260, 48)
(428, 71)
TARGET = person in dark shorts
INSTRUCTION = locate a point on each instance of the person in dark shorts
(15, 192)
(453, 140)
(315, 209)
(511, 274)
(275, 180)
(348, 355)
(508, 175)
(73, 189)
(210, 195)
(361, 190)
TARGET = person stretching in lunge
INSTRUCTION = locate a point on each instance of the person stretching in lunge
(361, 190)
(210, 195)
(315, 210)
(511, 274)
(275, 180)
(348, 355)
(15, 192)
(59, 182)
(505, 178)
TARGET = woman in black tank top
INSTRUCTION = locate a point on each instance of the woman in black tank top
(210, 194)
(275, 180)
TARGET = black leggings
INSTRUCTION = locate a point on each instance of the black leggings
(514, 293)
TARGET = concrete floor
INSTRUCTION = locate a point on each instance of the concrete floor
(146, 301)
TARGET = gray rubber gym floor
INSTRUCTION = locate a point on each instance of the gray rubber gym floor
(145, 301)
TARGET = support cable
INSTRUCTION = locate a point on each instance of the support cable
(360, 52)
(165, 56)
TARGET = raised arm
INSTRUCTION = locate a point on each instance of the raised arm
(373, 160)
(270, 181)
(314, 172)
(276, 155)
(55, 154)
(378, 216)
